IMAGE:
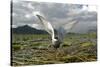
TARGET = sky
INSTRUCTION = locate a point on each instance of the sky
(58, 14)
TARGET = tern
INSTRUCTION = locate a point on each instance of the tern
(56, 38)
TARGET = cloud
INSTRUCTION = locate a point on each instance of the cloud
(56, 13)
(90, 8)
(27, 16)
(14, 26)
(37, 26)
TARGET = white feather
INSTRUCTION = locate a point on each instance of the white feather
(60, 31)
(70, 25)
(47, 25)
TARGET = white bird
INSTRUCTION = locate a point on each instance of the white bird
(56, 39)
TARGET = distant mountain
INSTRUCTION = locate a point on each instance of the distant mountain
(27, 30)
(92, 30)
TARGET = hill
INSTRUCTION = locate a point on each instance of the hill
(27, 30)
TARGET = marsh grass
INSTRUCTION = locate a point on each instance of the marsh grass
(75, 48)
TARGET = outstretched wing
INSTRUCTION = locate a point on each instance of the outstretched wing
(62, 30)
(70, 25)
(48, 27)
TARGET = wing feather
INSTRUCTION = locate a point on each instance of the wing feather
(62, 30)
(70, 25)
(47, 25)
